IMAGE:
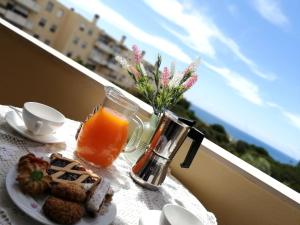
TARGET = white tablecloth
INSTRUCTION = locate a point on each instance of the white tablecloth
(131, 199)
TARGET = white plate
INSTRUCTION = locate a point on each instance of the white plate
(33, 207)
(16, 122)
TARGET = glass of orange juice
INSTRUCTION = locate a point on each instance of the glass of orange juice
(104, 135)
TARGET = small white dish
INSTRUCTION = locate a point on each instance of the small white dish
(41, 119)
(178, 215)
(16, 122)
(150, 217)
(33, 207)
(170, 215)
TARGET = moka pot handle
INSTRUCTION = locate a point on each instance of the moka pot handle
(197, 137)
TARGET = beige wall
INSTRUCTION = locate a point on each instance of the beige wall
(29, 73)
(67, 29)
(64, 42)
(233, 197)
(51, 18)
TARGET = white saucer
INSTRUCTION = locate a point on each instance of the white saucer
(150, 217)
(16, 122)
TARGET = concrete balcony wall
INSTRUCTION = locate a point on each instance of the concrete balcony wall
(235, 191)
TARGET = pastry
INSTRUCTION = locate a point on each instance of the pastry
(62, 211)
(32, 175)
(69, 191)
(101, 195)
(31, 159)
(64, 170)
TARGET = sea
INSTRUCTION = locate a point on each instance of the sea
(238, 134)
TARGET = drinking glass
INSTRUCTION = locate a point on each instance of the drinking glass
(104, 135)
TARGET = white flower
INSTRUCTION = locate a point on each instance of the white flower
(172, 69)
(143, 69)
(174, 82)
(123, 62)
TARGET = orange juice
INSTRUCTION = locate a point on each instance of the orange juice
(102, 137)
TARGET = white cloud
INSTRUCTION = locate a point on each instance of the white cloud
(271, 11)
(293, 118)
(200, 32)
(244, 87)
(117, 20)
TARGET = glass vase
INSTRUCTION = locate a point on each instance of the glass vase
(149, 129)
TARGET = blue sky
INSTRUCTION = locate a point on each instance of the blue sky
(249, 50)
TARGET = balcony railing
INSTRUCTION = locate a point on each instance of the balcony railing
(29, 4)
(113, 66)
(235, 191)
(104, 47)
(17, 19)
(97, 58)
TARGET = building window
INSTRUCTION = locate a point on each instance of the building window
(81, 27)
(36, 36)
(53, 28)
(90, 32)
(47, 42)
(83, 45)
(69, 54)
(42, 22)
(75, 40)
(49, 6)
(60, 13)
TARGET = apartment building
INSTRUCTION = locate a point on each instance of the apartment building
(70, 33)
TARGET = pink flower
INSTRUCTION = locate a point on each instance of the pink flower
(192, 67)
(190, 82)
(165, 77)
(137, 54)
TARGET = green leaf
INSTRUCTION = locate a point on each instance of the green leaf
(36, 175)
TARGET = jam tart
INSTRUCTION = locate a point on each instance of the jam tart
(68, 171)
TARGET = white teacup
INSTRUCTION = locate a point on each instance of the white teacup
(177, 215)
(41, 119)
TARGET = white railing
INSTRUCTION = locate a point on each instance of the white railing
(104, 47)
(30, 4)
(17, 19)
(96, 57)
(113, 66)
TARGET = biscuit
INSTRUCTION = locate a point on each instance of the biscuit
(69, 191)
(62, 211)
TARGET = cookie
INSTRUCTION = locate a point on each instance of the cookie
(68, 191)
(62, 211)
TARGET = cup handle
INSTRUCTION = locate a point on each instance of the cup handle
(137, 134)
(37, 127)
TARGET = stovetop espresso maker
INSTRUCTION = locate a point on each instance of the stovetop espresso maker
(151, 168)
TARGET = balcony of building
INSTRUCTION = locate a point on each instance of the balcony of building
(29, 4)
(113, 65)
(16, 19)
(104, 47)
(235, 191)
(96, 57)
